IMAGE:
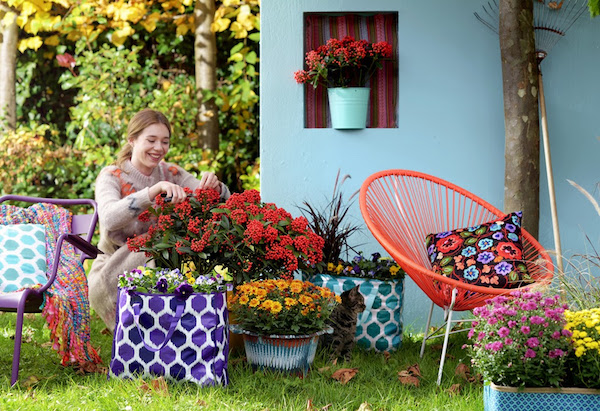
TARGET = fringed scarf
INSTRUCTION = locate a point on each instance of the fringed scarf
(66, 305)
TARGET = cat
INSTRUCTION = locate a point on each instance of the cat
(343, 321)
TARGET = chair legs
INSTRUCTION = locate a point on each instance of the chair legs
(17, 350)
(427, 336)
(448, 323)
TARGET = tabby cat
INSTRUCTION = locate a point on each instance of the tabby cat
(343, 321)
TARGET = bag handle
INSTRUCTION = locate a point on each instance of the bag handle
(174, 321)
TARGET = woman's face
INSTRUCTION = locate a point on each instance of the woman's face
(150, 147)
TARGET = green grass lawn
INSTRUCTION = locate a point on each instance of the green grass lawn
(45, 385)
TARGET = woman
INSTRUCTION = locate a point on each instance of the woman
(123, 191)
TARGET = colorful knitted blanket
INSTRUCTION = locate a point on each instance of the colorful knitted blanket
(66, 306)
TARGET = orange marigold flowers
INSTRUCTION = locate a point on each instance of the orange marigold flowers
(276, 307)
(282, 306)
(304, 299)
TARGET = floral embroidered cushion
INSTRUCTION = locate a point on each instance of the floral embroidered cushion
(489, 254)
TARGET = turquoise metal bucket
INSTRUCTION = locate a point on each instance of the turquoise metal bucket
(348, 107)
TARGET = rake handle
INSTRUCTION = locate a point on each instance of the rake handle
(550, 177)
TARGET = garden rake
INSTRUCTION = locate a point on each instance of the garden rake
(551, 20)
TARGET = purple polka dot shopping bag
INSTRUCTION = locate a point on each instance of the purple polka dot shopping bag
(180, 338)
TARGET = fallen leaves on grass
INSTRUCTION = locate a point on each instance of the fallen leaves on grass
(464, 371)
(106, 331)
(364, 407)
(157, 385)
(89, 368)
(386, 355)
(311, 407)
(454, 389)
(410, 376)
(30, 382)
(343, 375)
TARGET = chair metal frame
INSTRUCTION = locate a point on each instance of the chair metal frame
(401, 207)
(29, 300)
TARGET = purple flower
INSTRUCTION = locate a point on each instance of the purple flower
(498, 235)
(508, 341)
(480, 336)
(496, 346)
(533, 342)
(556, 335)
(485, 257)
(566, 333)
(536, 319)
(162, 285)
(503, 332)
(525, 329)
(511, 324)
(471, 333)
(503, 268)
(557, 352)
(375, 257)
(492, 320)
(358, 259)
(184, 290)
(530, 353)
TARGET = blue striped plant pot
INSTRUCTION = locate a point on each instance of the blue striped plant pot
(291, 354)
(499, 398)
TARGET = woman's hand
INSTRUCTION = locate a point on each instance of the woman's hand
(173, 191)
(209, 181)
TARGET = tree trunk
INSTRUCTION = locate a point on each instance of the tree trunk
(521, 119)
(8, 65)
(205, 50)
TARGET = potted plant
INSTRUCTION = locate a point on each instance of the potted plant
(380, 279)
(281, 321)
(526, 351)
(249, 238)
(345, 66)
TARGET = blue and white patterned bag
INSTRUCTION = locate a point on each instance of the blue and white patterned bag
(166, 335)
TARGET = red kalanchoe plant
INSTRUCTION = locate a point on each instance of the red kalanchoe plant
(343, 63)
(252, 239)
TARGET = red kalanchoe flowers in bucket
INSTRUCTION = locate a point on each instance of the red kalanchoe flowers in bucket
(343, 63)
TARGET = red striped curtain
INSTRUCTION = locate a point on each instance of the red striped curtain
(384, 84)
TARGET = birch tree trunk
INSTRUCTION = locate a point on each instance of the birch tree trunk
(8, 65)
(521, 119)
(205, 51)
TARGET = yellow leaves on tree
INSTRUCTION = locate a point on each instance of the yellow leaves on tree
(245, 20)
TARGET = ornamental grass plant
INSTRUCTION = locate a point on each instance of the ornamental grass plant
(284, 307)
(249, 238)
(343, 62)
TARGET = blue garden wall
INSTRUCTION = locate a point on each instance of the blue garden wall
(450, 117)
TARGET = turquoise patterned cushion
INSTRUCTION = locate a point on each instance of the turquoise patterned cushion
(22, 256)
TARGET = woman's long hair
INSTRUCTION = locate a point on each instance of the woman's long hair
(136, 125)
